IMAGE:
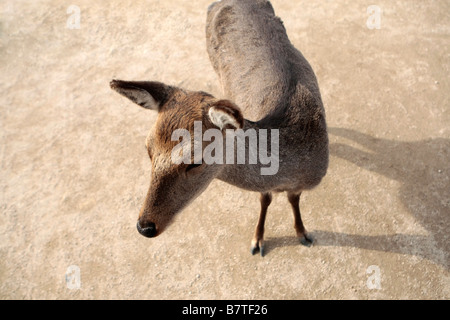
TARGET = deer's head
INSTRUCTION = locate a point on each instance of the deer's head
(174, 184)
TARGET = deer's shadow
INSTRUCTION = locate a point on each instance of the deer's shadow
(423, 169)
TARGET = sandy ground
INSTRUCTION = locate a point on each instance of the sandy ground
(74, 170)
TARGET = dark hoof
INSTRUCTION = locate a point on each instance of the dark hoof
(307, 241)
(257, 248)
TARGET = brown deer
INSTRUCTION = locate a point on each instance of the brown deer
(272, 87)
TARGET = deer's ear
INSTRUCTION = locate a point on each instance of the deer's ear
(225, 113)
(149, 95)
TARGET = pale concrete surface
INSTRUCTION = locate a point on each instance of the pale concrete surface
(74, 170)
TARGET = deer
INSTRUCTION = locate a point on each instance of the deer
(268, 85)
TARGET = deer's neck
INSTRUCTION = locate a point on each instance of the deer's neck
(255, 158)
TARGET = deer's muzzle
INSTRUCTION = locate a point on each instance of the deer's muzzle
(148, 231)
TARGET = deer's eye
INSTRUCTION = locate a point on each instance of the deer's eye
(193, 166)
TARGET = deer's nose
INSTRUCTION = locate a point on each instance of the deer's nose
(148, 230)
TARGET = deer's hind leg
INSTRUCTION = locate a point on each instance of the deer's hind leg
(294, 199)
(258, 238)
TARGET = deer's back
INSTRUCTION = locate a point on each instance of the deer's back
(257, 65)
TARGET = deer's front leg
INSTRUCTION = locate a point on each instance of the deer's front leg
(258, 238)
